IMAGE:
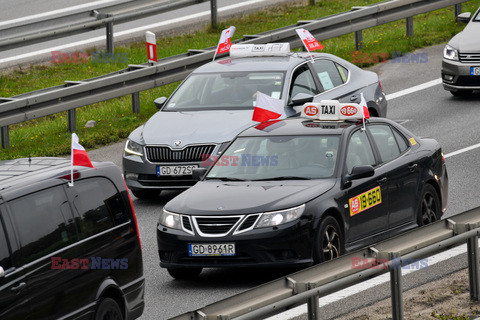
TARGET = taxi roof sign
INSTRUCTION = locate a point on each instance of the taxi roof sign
(260, 50)
(332, 110)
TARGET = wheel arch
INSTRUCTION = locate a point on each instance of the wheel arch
(110, 289)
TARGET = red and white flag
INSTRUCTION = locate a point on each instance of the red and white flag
(269, 126)
(363, 105)
(79, 156)
(267, 108)
(308, 40)
(225, 43)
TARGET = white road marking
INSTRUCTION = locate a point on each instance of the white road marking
(475, 146)
(130, 31)
(422, 86)
(55, 12)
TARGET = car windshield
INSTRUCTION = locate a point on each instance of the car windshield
(233, 90)
(278, 158)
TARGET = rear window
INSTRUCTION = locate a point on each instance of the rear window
(44, 222)
(99, 206)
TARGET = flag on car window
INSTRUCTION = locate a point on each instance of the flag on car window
(79, 155)
(363, 105)
(308, 40)
(225, 44)
(267, 108)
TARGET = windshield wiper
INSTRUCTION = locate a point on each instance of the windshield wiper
(283, 178)
(225, 179)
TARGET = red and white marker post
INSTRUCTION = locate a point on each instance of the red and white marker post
(151, 47)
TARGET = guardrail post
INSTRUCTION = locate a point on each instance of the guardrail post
(396, 286)
(5, 137)
(214, 13)
(358, 40)
(313, 308)
(473, 268)
(110, 48)
(313, 2)
(409, 22)
(136, 102)
(458, 9)
(72, 120)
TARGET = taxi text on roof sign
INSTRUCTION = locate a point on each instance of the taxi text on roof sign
(259, 50)
(332, 110)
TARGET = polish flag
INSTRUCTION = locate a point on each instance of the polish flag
(269, 126)
(79, 155)
(267, 108)
(225, 44)
(363, 105)
(308, 40)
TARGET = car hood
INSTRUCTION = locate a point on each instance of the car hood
(214, 197)
(195, 126)
(467, 40)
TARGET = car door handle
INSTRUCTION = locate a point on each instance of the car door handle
(382, 180)
(354, 98)
(412, 167)
(18, 288)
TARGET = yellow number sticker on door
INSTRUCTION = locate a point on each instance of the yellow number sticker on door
(365, 200)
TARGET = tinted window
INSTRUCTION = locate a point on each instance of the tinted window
(343, 73)
(5, 261)
(385, 141)
(98, 204)
(359, 151)
(44, 221)
(402, 144)
(328, 74)
(303, 83)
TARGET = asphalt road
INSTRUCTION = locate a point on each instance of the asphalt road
(432, 112)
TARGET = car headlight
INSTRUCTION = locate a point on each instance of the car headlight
(170, 220)
(275, 218)
(131, 147)
(450, 53)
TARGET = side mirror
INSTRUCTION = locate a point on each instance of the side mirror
(159, 102)
(300, 98)
(359, 172)
(199, 173)
(2, 272)
(464, 17)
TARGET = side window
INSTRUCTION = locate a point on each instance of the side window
(359, 151)
(302, 82)
(99, 206)
(402, 144)
(343, 73)
(44, 222)
(328, 73)
(5, 260)
(385, 141)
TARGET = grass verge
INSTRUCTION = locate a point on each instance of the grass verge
(48, 136)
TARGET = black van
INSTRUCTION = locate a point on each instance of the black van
(67, 252)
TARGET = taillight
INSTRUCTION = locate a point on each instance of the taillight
(381, 87)
(134, 215)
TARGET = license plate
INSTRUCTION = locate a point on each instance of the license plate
(211, 249)
(475, 71)
(175, 170)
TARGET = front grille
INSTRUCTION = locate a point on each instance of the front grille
(188, 154)
(248, 222)
(469, 57)
(468, 81)
(216, 225)
(186, 223)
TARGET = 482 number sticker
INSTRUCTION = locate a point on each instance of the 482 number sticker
(365, 200)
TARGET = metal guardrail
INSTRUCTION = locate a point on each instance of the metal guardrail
(32, 32)
(136, 78)
(307, 286)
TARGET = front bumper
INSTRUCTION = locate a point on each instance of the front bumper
(286, 245)
(462, 79)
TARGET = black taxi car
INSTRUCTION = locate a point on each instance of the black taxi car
(301, 191)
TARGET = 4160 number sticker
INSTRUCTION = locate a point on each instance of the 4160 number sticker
(365, 201)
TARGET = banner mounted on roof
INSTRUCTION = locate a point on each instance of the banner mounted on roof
(332, 110)
(225, 43)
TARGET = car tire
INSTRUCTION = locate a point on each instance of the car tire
(108, 309)
(184, 273)
(145, 194)
(329, 240)
(461, 93)
(428, 209)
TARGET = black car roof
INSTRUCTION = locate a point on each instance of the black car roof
(19, 173)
